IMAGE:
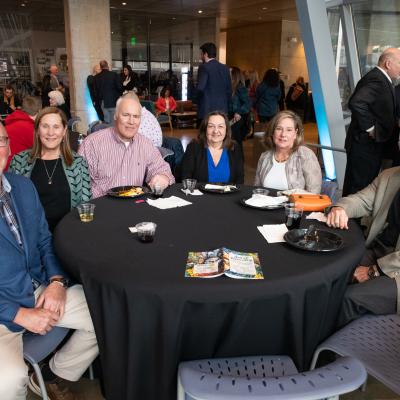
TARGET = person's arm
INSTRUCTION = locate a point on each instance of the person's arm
(157, 167)
(244, 100)
(172, 104)
(202, 79)
(160, 104)
(257, 179)
(362, 102)
(188, 165)
(238, 164)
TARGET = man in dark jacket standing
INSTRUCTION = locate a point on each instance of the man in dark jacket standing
(213, 84)
(373, 122)
(108, 89)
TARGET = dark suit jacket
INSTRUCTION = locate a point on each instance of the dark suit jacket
(195, 163)
(36, 260)
(372, 104)
(214, 88)
(108, 88)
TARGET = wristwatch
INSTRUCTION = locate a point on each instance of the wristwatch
(61, 281)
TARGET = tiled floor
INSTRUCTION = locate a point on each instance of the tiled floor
(90, 390)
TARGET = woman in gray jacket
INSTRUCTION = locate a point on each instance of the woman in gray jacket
(287, 164)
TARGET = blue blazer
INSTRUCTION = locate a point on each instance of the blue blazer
(35, 260)
(214, 88)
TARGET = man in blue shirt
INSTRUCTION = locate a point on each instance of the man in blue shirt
(34, 293)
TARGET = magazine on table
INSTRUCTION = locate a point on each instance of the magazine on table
(234, 264)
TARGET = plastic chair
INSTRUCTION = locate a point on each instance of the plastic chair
(38, 347)
(375, 341)
(165, 118)
(330, 189)
(97, 126)
(266, 377)
(72, 123)
(165, 152)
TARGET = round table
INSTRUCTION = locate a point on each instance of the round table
(148, 317)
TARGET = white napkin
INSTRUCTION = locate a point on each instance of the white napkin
(132, 229)
(273, 233)
(196, 192)
(288, 192)
(319, 216)
(259, 200)
(225, 188)
(168, 202)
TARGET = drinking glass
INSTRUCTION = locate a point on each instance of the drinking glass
(293, 215)
(189, 185)
(86, 212)
(146, 231)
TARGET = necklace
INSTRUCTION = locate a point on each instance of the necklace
(281, 160)
(50, 177)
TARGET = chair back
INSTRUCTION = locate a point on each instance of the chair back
(149, 105)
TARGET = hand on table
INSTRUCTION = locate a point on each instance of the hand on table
(161, 180)
(337, 218)
(36, 320)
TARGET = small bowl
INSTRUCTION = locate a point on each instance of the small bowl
(146, 231)
(261, 191)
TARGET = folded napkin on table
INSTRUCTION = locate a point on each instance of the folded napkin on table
(196, 192)
(273, 233)
(168, 202)
(259, 200)
(288, 192)
(319, 216)
(225, 188)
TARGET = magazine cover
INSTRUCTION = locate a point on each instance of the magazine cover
(234, 264)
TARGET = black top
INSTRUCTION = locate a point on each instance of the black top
(55, 197)
(148, 317)
(195, 163)
(108, 88)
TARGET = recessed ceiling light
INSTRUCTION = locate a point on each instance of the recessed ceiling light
(200, 11)
(23, 4)
(265, 8)
(124, 4)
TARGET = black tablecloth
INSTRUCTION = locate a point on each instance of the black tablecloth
(148, 317)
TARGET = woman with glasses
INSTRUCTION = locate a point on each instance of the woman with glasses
(60, 176)
(287, 163)
(214, 156)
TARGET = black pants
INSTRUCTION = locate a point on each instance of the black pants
(364, 159)
(377, 296)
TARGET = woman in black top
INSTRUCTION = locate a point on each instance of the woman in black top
(214, 154)
(46, 88)
(129, 79)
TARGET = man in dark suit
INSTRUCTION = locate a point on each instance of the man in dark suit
(214, 88)
(373, 122)
(35, 294)
(108, 89)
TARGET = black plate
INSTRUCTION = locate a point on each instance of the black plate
(114, 192)
(217, 191)
(326, 241)
(243, 202)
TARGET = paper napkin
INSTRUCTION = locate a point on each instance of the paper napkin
(273, 233)
(317, 215)
(168, 202)
(226, 188)
(196, 192)
(259, 200)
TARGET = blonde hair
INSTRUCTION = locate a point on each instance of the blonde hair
(298, 125)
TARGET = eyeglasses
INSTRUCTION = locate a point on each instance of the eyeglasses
(4, 141)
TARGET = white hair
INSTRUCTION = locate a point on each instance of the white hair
(57, 96)
(130, 95)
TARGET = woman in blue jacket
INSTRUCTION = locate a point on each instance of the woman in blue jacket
(268, 94)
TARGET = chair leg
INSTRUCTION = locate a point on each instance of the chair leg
(40, 380)
(315, 359)
(91, 375)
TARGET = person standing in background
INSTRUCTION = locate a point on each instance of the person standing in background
(214, 88)
(92, 91)
(54, 83)
(268, 94)
(373, 122)
(108, 89)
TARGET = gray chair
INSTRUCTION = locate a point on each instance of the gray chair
(330, 189)
(375, 341)
(38, 347)
(165, 152)
(266, 377)
(72, 122)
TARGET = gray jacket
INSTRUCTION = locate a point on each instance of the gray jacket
(302, 170)
(374, 201)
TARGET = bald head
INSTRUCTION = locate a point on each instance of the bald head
(390, 62)
(127, 116)
(54, 69)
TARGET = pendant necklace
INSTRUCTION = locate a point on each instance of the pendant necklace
(50, 177)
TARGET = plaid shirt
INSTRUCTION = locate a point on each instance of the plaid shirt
(6, 210)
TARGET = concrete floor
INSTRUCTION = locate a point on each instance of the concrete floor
(90, 390)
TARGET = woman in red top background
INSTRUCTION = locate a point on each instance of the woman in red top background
(165, 103)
